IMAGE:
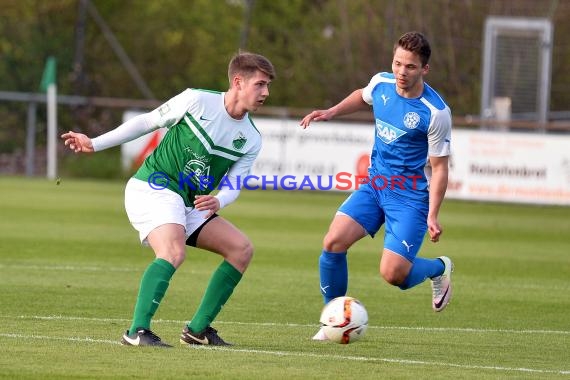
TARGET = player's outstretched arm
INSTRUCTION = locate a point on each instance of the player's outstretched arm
(317, 115)
(77, 142)
(128, 131)
(348, 105)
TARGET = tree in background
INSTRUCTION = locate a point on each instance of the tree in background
(321, 48)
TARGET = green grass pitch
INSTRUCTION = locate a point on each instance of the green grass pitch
(70, 264)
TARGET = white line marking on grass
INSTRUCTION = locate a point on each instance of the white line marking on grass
(304, 354)
(68, 339)
(68, 318)
(434, 329)
(71, 268)
(468, 329)
(441, 329)
(386, 360)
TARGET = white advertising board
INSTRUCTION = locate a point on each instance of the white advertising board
(510, 167)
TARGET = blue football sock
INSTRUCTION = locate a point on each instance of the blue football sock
(333, 268)
(421, 270)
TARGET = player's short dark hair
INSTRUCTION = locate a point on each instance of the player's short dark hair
(247, 64)
(416, 43)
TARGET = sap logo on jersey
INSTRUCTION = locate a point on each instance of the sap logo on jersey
(387, 132)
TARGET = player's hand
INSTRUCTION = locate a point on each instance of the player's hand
(434, 229)
(78, 142)
(317, 115)
(207, 202)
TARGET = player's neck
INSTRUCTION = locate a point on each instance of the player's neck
(232, 105)
(412, 92)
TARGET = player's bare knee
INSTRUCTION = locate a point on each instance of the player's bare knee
(392, 276)
(175, 256)
(333, 243)
(247, 251)
(241, 255)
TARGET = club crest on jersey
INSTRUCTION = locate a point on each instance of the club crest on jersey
(387, 132)
(411, 120)
(239, 141)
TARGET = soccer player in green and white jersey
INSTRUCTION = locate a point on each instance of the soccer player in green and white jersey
(210, 141)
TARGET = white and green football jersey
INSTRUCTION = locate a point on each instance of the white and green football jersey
(202, 146)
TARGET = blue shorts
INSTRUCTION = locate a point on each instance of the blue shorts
(406, 220)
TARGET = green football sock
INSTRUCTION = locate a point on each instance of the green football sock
(220, 288)
(154, 283)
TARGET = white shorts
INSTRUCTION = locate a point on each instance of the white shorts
(148, 208)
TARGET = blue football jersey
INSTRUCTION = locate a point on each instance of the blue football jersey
(408, 131)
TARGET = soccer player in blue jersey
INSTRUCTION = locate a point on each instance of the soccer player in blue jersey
(407, 177)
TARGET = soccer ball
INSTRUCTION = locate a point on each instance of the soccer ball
(344, 320)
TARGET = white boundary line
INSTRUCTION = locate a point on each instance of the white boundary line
(386, 360)
(69, 339)
(440, 329)
(87, 268)
(308, 354)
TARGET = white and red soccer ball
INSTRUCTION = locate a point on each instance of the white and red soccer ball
(344, 320)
